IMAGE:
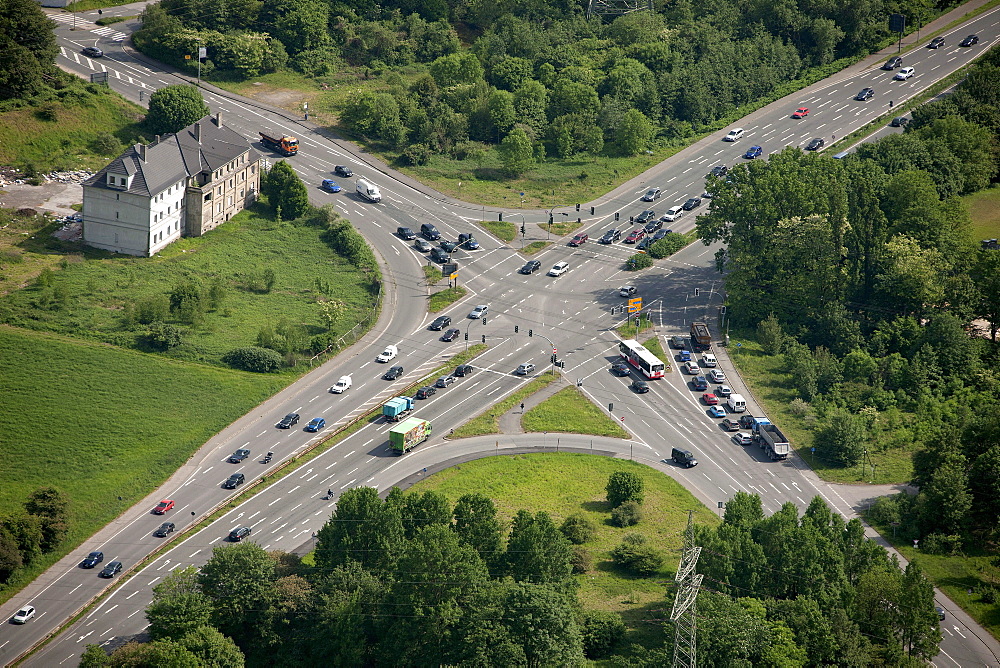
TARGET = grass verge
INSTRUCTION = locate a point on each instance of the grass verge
(654, 346)
(501, 230)
(559, 228)
(444, 298)
(432, 274)
(771, 385)
(534, 247)
(562, 484)
(984, 207)
(117, 423)
(489, 422)
(628, 330)
(570, 412)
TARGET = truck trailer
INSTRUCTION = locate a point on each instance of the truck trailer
(397, 408)
(408, 434)
(283, 144)
(700, 336)
(770, 439)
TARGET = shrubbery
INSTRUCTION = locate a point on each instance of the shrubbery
(627, 514)
(253, 358)
(636, 555)
(578, 529)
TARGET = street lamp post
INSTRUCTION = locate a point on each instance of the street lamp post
(551, 213)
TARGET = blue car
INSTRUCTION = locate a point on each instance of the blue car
(316, 424)
(753, 152)
(717, 411)
(330, 186)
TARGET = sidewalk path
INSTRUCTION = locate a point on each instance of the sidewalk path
(510, 422)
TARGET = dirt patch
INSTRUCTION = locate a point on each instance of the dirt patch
(55, 197)
(284, 98)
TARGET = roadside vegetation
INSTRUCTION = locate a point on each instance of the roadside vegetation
(488, 422)
(442, 299)
(534, 247)
(502, 230)
(570, 412)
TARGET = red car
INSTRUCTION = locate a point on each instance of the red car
(710, 399)
(163, 506)
(801, 112)
(579, 239)
(635, 236)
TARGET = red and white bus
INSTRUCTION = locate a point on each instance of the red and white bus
(643, 360)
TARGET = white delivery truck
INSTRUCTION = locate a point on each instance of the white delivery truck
(369, 191)
(737, 404)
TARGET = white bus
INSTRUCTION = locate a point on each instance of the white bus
(643, 360)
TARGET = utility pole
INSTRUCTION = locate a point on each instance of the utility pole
(684, 614)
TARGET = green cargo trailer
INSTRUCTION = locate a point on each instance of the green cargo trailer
(408, 434)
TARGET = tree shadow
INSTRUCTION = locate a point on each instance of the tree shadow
(489, 174)
(596, 506)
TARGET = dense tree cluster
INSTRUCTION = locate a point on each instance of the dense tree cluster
(862, 274)
(37, 530)
(538, 78)
(28, 45)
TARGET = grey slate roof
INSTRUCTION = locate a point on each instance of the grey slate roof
(176, 157)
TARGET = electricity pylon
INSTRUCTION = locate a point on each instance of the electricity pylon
(683, 615)
(614, 8)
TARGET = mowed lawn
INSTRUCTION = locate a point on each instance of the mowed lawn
(99, 422)
(565, 483)
(95, 287)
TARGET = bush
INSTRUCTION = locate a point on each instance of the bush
(253, 358)
(940, 544)
(578, 529)
(635, 556)
(106, 143)
(667, 246)
(602, 631)
(639, 261)
(626, 515)
(580, 559)
(624, 486)
(163, 336)
(416, 154)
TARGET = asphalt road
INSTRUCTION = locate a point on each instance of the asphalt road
(572, 313)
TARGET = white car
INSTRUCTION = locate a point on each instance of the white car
(23, 615)
(692, 368)
(626, 290)
(733, 135)
(559, 269)
(524, 369)
(341, 385)
(723, 391)
(904, 74)
(479, 311)
(742, 438)
(673, 213)
(389, 353)
(717, 376)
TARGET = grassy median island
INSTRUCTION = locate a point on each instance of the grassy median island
(99, 422)
(562, 484)
(570, 412)
(489, 422)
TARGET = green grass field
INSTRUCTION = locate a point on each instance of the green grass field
(489, 421)
(984, 207)
(96, 286)
(100, 422)
(501, 230)
(570, 412)
(563, 484)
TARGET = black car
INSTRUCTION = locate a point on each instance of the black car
(165, 529)
(610, 237)
(893, 63)
(467, 240)
(112, 569)
(92, 560)
(440, 256)
(645, 243)
(645, 216)
(678, 342)
(900, 122)
(970, 40)
(530, 267)
(450, 335)
(653, 225)
(425, 392)
(343, 170)
(640, 386)
(440, 323)
(720, 170)
(448, 246)
(239, 456)
(288, 421)
(464, 369)
(238, 534)
(692, 203)
(406, 233)
(864, 94)
(815, 144)
(746, 421)
(683, 457)
(620, 369)
(659, 235)
(936, 43)
(393, 373)
(234, 481)
(430, 232)
(93, 52)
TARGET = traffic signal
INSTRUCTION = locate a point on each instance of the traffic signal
(577, 207)
(561, 364)
(515, 329)
(523, 231)
(611, 407)
(591, 211)
(484, 319)
(531, 332)
(501, 216)
(616, 216)
(484, 338)
(697, 292)
(550, 219)
(466, 336)
(553, 358)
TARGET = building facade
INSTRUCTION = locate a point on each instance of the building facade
(184, 184)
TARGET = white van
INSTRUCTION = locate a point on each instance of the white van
(736, 403)
(369, 191)
(709, 360)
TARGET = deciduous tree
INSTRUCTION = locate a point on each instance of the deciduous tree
(173, 108)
